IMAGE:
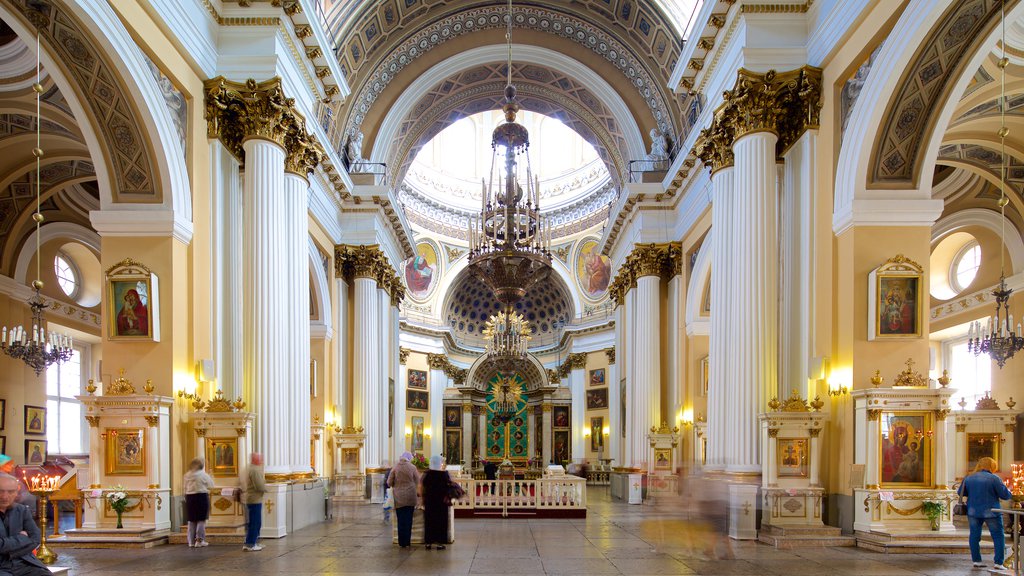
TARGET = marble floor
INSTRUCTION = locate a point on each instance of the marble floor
(614, 539)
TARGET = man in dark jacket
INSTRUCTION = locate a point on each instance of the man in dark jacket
(19, 535)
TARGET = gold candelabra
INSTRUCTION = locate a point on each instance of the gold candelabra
(42, 487)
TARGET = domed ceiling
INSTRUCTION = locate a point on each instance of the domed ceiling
(470, 303)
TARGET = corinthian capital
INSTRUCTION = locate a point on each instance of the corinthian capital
(360, 262)
(648, 260)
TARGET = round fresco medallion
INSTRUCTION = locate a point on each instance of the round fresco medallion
(593, 270)
(421, 271)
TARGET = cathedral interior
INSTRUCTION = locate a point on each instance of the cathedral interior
(737, 260)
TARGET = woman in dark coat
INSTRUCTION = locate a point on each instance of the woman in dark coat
(435, 484)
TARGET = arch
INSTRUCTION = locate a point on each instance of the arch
(700, 278)
(484, 367)
(390, 127)
(154, 163)
(900, 168)
(989, 219)
(320, 286)
(47, 233)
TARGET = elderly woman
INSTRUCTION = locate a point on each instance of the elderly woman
(403, 481)
(436, 500)
(983, 490)
(197, 502)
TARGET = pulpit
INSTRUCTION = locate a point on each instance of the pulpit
(902, 439)
(129, 439)
(222, 433)
(349, 481)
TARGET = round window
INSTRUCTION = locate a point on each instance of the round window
(965, 266)
(67, 274)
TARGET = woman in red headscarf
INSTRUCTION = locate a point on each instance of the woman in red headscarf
(132, 318)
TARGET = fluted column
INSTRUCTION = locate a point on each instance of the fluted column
(614, 440)
(941, 465)
(467, 435)
(228, 281)
(366, 364)
(718, 354)
(398, 437)
(754, 336)
(630, 363)
(265, 295)
(482, 433)
(577, 384)
(340, 383)
(296, 264)
(647, 391)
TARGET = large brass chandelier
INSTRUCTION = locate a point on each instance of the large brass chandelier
(508, 335)
(509, 242)
(998, 338)
(36, 348)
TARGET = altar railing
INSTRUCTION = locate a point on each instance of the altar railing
(559, 493)
(598, 477)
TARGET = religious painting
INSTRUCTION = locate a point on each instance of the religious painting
(597, 433)
(597, 377)
(508, 435)
(421, 271)
(792, 458)
(593, 270)
(705, 364)
(125, 455)
(416, 400)
(35, 452)
(560, 447)
(538, 430)
(560, 416)
(662, 459)
(222, 456)
(35, 420)
(453, 416)
(3, 445)
(597, 399)
(453, 446)
(132, 302)
(418, 379)
(905, 451)
(3, 416)
(417, 434)
(895, 300)
(980, 445)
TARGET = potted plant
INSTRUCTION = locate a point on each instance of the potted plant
(933, 511)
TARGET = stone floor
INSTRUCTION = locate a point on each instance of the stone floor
(614, 539)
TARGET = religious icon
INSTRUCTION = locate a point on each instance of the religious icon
(222, 456)
(453, 446)
(417, 433)
(662, 459)
(597, 399)
(560, 447)
(416, 400)
(597, 433)
(981, 445)
(418, 379)
(792, 456)
(132, 302)
(906, 449)
(593, 270)
(895, 299)
(560, 416)
(35, 420)
(35, 452)
(453, 416)
(597, 377)
(421, 270)
(125, 455)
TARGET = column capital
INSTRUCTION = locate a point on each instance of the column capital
(611, 355)
(236, 112)
(437, 361)
(662, 260)
(577, 361)
(367, 261)
(403, 355)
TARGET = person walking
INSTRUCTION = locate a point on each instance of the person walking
(983, 490)
(389, 502)
(436, 500)
(404, 480)
(255, 488)
(197, 502)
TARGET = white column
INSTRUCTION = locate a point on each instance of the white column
(614, 440)
(265, 294)
(467, 434)
(153, 440)
(482, 431)
(673, 381)
(772, 477)
(719, 381)
(391, 423)
(815, 472)
(797, 258)
(577, 386)
(647, 389)
(941, 465)
(436, 418)
(753, 337)
(629, 367)
(366, 366)
(341, 386)
(296, 264)
(380, 387)
(531, 422)
(961, 454)
(398, 438)
(226, 189)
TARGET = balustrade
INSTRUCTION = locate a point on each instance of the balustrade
(564, 493)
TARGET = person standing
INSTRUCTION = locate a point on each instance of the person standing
(436, 500)
(404, 480)
(983, 490)
(19, 535)
(197, 502)
(255, 488)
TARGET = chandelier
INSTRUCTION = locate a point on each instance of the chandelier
(998, 339)
(37, 349)
(507, 394)
(508, 335)
(509, 242)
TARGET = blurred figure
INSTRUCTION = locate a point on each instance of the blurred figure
(404, 481)
(436, 500)
(197, 502)
(21, 535)
(983, 490)
(388, 505)
(255, 489)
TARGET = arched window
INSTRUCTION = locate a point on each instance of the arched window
(67, 274)
(965, 266)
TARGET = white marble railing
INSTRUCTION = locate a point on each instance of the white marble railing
(562, 493)
(598, 477)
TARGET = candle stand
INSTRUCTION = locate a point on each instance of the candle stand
(42, 487)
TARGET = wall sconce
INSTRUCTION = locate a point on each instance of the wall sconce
(408, 431)
(586, 432)
(686, 417)
(606, 431)
(837, 389)
(426, 432)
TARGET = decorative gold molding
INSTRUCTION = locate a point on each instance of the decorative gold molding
(793, 404)
(874, 414)
(941, 413)
(546, 407)
(403, 355)
(93, 421)
(773, 432)
(986, 402)
(441, 362)
(152, 420)
(814, 432)
(961, 427)
(121, 386)
(201, 432)
(909, 377)
(467, 408)
(240, 432)
(610, 352)
(1010, 427)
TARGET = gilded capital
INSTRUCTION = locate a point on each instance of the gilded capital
(364, 261)
(236, 112)
(437, 361)
(403, 355)
(576, 361)
(611, 355)
(648, 260)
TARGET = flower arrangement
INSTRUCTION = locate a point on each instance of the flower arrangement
(933, 511)
(118, 502)
(420, 461)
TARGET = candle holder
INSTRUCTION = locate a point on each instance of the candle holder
(42, 487)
